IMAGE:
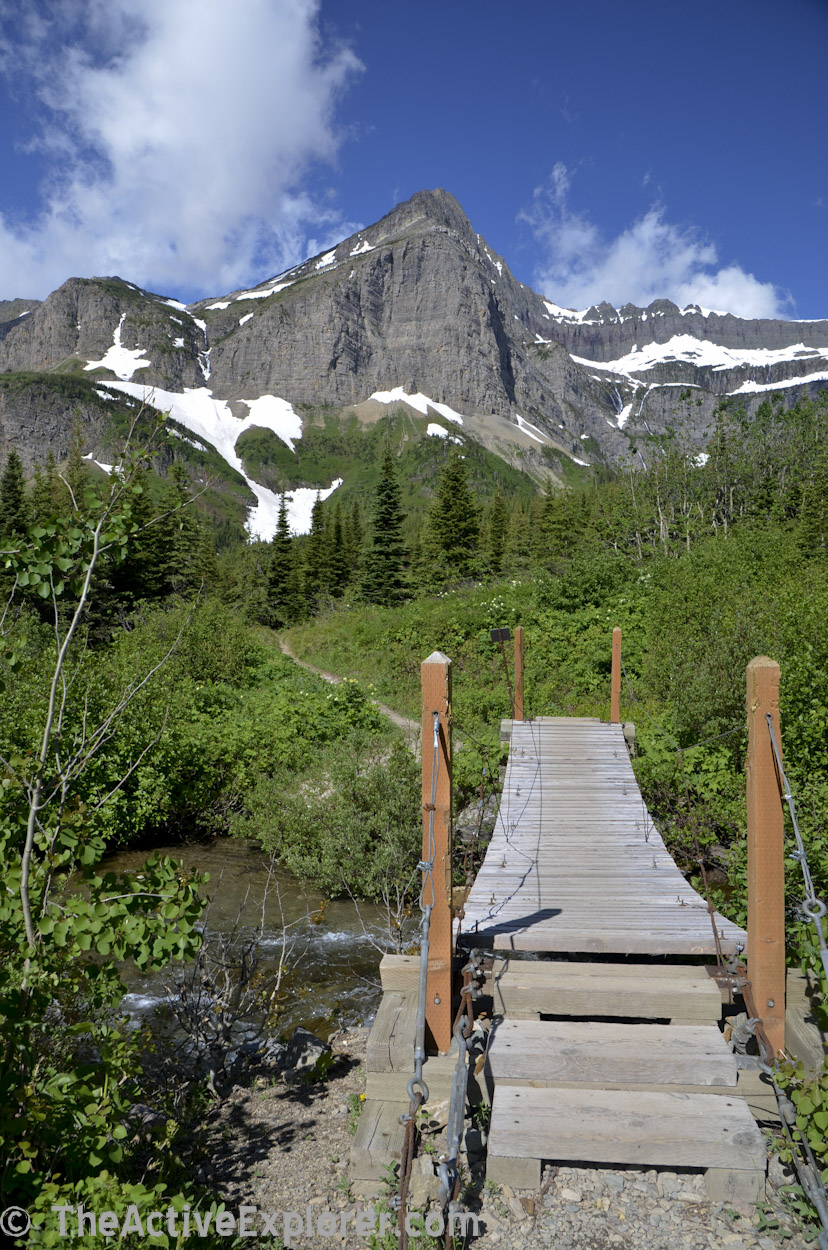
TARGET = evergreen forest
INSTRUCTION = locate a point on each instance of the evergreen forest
(145, 699)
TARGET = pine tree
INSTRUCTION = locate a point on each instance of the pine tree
(337, 563)
(813, 516)
(14, 506)
(498, 533)
(352, 533)
(281, 608)
(176, 535)
(48, 492)
(454, 522)
(77, 471)
(383, 578)
(316, 555)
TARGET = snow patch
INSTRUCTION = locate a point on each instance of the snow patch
(528, 428)
(220, 304)
(364, 246)
(107, 468)
(178, 342)
(173, 303)
(624, 413)
(686, 349)
(778, 386)
(122, 361)
(211, 420)
(328, 259)
(246, 317)
(271, 290)
(276, 415)
(563, 314)
(701, 459)
(421, 403)
(440, 431)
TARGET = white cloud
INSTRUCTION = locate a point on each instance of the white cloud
(651, 259)
(179, 146)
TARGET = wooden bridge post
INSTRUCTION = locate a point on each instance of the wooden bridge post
(766, 870)
(518, 708)
(615, 701)
(436, 694)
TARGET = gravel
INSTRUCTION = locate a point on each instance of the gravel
(285, 1148)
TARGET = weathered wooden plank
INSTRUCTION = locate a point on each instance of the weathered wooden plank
(572, 1051)
(400, 973)
(621, 1126)
(378, 1140)
(582, 989)
(390, 1046)
(610, 943)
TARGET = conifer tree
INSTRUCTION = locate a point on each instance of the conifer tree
(352, 533)
(76, 475)
(383, 578)
(498, 533)
(337, 563)
(316, 555)
(813, 516)
(281, 608)
(454, 522)
(14, 506)
(48, 492)
(176, 534)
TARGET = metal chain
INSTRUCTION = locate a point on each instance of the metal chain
(463, 1024)
(813, 907)
(417, 1089)
(807, 1169)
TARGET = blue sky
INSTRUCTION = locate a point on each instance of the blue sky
(606, 150)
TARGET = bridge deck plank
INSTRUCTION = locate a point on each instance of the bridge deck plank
(575, 863)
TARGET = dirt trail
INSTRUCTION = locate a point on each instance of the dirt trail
(411, 728)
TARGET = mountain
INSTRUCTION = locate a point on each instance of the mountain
(415, 312)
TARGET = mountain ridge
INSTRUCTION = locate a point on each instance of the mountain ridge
(415, 307)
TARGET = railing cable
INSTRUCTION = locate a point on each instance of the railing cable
(812, 907)
(417, 1089)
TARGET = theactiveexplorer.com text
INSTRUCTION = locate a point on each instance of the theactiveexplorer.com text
(290, 1226)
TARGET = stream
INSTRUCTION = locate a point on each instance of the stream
(333, 966)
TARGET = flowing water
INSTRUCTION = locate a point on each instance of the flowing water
(333, 964)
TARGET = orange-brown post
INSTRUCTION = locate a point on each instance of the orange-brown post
(615, 702)
(436, 688)
(766, 865)
(518, 711)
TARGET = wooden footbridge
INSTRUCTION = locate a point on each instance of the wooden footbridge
(606, 1000)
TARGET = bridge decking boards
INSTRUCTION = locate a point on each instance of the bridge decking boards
(577, 871)
(575, 863)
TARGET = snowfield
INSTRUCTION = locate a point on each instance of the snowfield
(212, 421)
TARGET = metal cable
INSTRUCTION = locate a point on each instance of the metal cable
(417, 1089)
(807, 1169)
(813, 907)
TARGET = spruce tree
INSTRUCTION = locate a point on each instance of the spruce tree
(383, 578)
(76, 475)
(454, 522)
(337, 562)
(281, 608)
(813, 516)
(352, 533)
(498, 533)
(316, 555)
(14, 506)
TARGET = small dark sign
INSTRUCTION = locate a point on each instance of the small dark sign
(500, 635)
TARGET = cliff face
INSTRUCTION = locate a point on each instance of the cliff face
(418, 301)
